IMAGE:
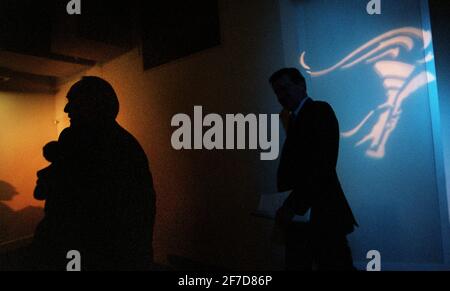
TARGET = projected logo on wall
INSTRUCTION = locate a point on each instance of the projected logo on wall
(400, 80)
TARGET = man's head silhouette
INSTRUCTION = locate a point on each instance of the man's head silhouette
(51, 151)
(290, 87)
(91, 100)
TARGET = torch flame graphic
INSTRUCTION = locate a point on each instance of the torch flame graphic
(400, 80)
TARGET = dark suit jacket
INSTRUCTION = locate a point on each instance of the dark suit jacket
(105, 207)
(308, 168)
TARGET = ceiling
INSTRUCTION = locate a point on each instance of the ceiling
(41, 45)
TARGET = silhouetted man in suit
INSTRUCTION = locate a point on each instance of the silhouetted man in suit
(308, 169)
(104, 205)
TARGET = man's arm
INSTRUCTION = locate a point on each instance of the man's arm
(322, 157)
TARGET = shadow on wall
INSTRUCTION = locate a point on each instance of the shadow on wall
(15, 225)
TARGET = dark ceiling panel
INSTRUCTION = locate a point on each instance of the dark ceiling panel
(173, 29)
(26, 25)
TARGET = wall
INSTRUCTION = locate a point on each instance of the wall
(439, 13)
(205, 199)
(396, 191)
(26, 125)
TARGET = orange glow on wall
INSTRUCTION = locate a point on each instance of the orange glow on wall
(27, 124)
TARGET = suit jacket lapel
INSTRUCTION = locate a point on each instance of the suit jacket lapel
(301, 120)
(293, 147)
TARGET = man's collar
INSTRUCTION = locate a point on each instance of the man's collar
(300, 106)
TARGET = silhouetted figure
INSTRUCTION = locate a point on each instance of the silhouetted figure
(45, 185)
(104, 204)
(308, 169)
(46, 189)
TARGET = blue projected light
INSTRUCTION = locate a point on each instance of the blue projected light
(400, 79)
(377, 72)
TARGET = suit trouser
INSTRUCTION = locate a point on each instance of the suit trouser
(307, 250)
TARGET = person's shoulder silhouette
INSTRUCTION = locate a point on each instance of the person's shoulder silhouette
(105, 183)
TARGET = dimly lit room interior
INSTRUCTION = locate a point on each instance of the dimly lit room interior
(164, 59)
